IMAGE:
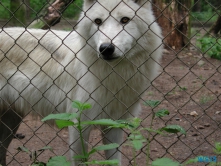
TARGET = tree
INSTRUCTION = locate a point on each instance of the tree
(51, 14)
(173, 16)
(197, 7)
(18, 12)
(216, 27)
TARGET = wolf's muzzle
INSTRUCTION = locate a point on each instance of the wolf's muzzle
(107, 51)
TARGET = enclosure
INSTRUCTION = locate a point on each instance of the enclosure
(188, 84)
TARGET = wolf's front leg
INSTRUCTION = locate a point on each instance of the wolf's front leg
(113, 136)
(76, 144)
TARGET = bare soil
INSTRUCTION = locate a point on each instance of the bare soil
(189, 86)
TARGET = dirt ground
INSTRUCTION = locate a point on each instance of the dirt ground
(189, 86)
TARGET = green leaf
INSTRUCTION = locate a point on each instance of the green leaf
(162, 113)
(81, 106)
(46, 148)
(135, 136)
(61, 116)
(80, 157)
(137, 144)
(58, 161)
(103, 147)
(64, 123)
(164, 162)
(191, 161)
(86, 106)
(23, 149)
(174, 129)
(136, 141)
(106, 147)
(123, 124)
(217, 149)
(105, 122)
(152, 103)
(77, 104)
(104, 162)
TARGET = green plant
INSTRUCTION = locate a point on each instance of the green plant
(168, 129)
(217, 151)
(214, 162)
(66, 119)
(210, 46)
(136, 139)
(151, 93)
(205, 99)
(183, 88)
(60, 160)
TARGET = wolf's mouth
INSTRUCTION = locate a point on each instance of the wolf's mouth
(109, 59)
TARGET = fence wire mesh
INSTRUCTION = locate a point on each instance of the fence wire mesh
(188, 84)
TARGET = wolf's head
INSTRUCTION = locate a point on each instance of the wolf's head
(114, 27)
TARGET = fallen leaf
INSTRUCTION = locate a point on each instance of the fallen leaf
(194, 113)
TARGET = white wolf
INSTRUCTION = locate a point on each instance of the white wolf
(108, 61)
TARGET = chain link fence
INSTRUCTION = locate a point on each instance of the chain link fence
(188, 85)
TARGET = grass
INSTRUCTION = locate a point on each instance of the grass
(205, 99)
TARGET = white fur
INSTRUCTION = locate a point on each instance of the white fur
(42, 72)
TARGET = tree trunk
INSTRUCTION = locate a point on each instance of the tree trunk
(51, 15)
(216, 28)
(18, 12)
(173, 17)
(197, 6)
(28, 9)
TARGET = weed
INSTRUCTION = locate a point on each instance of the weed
(151, 93)
(135, 139)
(66, 119)
(205, 99)
(183, 88)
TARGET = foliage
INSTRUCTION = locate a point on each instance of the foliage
(36, 6)
(74, 9)
(135, 139)
(210, 46)
(164, 162)
(207, 16)
(207, 12)
(34, 154)
(67, 119)
(4, 9)
(152, 103)
(217, 149)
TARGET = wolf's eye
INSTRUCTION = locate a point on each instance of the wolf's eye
(124, 20)
(98, 21)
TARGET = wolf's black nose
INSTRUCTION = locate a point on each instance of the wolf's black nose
(107, 50)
